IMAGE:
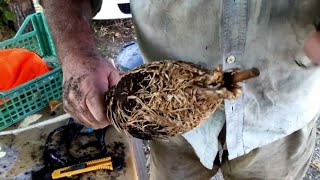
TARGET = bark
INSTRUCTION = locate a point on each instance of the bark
(21, 8)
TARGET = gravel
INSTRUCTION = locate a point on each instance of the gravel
(314, 169)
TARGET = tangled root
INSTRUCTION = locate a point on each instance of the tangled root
(166, 98)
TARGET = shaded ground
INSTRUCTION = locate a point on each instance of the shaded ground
(5, 33)
(314, 169)
(112, 35)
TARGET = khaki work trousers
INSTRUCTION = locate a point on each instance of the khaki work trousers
(287, 158)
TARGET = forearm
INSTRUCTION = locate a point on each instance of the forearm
(70, 25)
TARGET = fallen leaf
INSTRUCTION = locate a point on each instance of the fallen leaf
(29, 120)
(54, 105)
(316, 164)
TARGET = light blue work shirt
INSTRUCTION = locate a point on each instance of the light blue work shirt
(267, 34)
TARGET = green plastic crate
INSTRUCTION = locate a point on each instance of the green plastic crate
(33, 95)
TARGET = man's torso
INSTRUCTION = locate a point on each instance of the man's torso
(267, 34)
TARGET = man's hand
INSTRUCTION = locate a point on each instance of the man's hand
(86, 74)
(312, 47)
(84, 88)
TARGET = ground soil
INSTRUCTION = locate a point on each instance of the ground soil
(5, 33)
(112, 35)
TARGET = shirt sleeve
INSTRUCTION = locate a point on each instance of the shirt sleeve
(96, 6)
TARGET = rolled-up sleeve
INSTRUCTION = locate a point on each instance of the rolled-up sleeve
(96, 6)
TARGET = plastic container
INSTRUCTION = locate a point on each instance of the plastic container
(34, 95)
(129, 57)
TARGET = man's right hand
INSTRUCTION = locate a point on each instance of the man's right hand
(84, 88)
(312, 47)
(86, 74)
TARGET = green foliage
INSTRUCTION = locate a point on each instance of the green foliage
(6, 14)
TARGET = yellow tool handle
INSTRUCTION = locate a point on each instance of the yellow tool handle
(99, 161)
(104, 163)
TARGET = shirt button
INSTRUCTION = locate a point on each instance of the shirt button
(231, 59)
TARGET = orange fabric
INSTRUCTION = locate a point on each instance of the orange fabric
(18, 66)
